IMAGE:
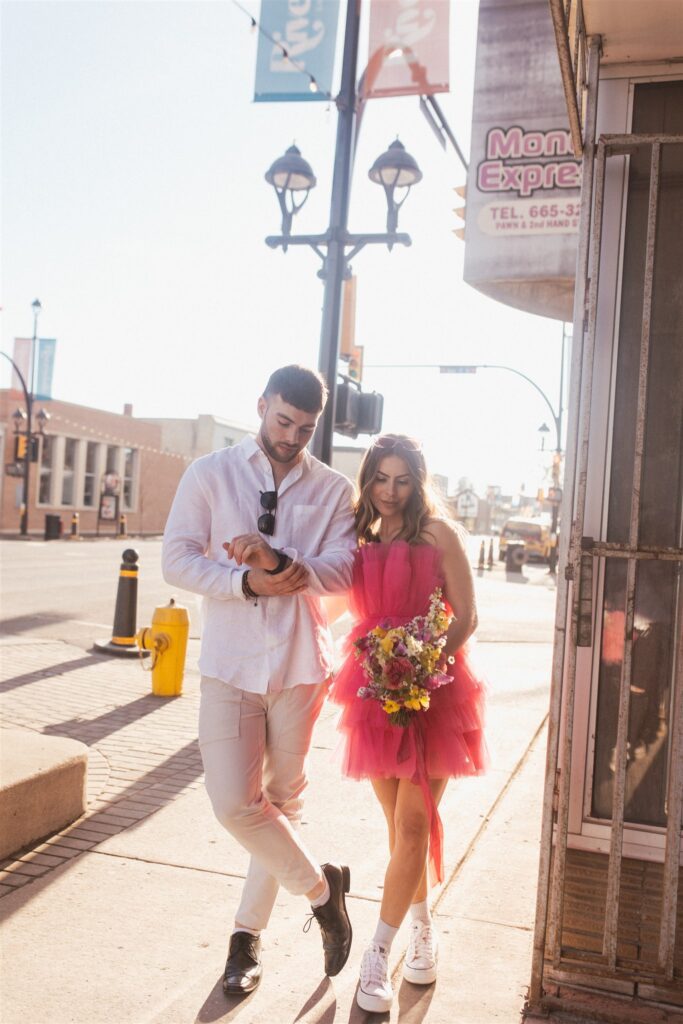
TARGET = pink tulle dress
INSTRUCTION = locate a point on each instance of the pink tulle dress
(392, 583)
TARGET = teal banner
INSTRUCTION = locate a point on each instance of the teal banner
(297, 61)
(45, 367)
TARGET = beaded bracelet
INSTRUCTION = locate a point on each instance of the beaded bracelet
(246, 589)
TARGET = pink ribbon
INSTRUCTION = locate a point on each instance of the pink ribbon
(421, 779)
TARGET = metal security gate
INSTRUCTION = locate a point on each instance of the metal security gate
(609, 961)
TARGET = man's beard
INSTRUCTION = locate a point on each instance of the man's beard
(272, 451)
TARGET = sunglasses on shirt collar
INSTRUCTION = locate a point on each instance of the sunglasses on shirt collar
(266, 521)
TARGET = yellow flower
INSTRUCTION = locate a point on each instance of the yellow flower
(429, 658)
(378, 631)
(414, 703)
(391, 706)
(387, 644)
(424, 700)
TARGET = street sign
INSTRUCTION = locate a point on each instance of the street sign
(555, 495)
(14, 469)
(111, 483)
(467, 505)
(108, 507)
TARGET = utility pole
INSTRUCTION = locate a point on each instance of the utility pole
(334, 266)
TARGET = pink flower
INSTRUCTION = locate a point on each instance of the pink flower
(433, 682)
(397, 673)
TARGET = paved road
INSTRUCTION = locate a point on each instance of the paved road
(67, 591)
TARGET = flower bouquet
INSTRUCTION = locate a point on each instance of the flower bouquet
(402, 662)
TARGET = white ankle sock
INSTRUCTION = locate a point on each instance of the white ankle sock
(249, 931)
(384, 935)
(324, 895)
(421, 912)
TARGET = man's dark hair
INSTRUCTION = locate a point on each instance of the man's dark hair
(298, 386)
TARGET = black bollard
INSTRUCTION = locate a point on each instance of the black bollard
(489, 564)
(122, 642)
(482, 555)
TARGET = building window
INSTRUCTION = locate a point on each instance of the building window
(89, 477)
(128, 476)
(46, 458)
(229, 441)
(112, 465)
(68, 474)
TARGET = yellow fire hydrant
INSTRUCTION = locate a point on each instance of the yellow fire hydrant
(166, 638)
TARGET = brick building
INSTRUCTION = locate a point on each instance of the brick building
(82, 445)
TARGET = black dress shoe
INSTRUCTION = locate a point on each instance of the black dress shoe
(333, 919)
(243, 967)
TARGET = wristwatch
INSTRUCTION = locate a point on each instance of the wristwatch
(283, 561)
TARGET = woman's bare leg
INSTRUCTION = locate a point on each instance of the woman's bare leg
(386, 791)
(438, 788)
(408, 843)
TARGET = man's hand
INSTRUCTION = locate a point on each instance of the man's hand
(291, 580)
(252, 550)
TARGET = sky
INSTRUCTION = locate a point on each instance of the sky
(135, 208)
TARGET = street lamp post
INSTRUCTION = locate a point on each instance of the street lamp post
(36, 309)
(23, 421)
(394, 169)
(556, 416)
(557, 420)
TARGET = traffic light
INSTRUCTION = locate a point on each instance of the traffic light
(370, 413)
(20, 447)
(357, 412)
(459, 211)
(355, 368)
(346, 409)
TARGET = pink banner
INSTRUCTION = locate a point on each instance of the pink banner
(22, 357)
(408, 50)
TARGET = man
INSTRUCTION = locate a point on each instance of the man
(262, 530)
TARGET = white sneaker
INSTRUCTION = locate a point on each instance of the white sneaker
(419, 965)
(374, 990)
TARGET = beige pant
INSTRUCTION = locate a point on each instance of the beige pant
(254, 749)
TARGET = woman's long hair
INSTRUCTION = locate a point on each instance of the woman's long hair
(424, 502)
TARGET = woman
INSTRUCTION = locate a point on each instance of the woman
(408, 548)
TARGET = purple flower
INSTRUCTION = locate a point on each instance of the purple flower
(436, 680)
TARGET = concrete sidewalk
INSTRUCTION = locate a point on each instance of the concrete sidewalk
(124, 917)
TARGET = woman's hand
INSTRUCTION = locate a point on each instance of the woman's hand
(291, 580)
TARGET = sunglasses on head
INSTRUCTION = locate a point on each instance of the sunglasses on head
(409, 444)
(266, 521)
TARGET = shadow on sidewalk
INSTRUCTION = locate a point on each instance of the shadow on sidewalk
(26, 623)
(92, 731)
(151, 791)
(14, 682)
(414, 1002)
(321, 995)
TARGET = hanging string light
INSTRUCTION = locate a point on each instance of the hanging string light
(87, 432)
(254, 24)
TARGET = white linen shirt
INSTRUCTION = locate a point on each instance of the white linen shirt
(281, 641)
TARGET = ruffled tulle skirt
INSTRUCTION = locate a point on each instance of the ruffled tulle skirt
(445, 741)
